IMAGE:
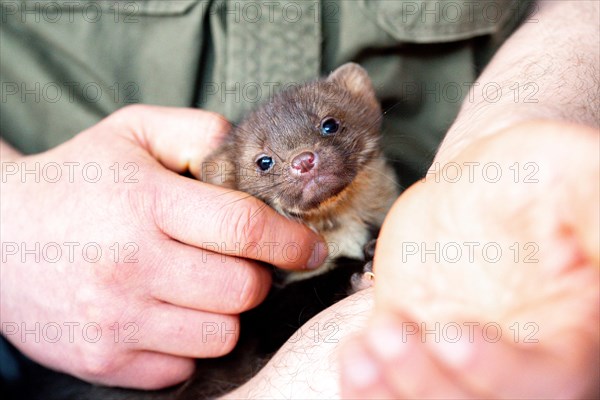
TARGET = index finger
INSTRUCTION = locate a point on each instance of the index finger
(234, 223)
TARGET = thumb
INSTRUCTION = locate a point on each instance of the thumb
(179, 138)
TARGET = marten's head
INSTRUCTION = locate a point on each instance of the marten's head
(304, 147)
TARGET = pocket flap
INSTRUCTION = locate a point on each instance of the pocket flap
(129, 8)
(430, 21)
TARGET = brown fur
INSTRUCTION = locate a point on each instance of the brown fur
(356, 186)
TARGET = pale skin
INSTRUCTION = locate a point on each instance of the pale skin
(559, 293)
(546, 304)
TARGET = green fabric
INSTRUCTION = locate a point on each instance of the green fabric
(258, 48)
(64, 65)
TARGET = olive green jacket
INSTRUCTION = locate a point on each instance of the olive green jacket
(64, 65)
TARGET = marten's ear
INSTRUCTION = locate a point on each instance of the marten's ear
(218, 169)
(353, 78)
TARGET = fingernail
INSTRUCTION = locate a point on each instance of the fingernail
(359, 369)
(318, 255)
(385, 339)
(455, 354)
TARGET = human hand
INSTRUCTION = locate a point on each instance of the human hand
(113, 268)
(519, 323)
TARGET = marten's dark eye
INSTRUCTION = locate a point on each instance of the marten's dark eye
(265, 163)
(329, 126)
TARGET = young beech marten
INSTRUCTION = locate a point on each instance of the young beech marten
(313, 154)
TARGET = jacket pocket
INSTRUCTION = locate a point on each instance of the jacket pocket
(81, 60)
(434, 21)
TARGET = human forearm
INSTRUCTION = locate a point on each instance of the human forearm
(306, 366)
(551, 61)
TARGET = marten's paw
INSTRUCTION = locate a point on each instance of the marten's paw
(360, 281)
(366, 278)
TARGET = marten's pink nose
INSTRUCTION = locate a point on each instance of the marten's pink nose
(304, 162)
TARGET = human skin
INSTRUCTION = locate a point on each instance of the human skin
(159, 289)
(534, 311)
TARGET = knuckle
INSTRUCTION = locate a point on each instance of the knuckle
(125, 114)
(92, 299)
(247, 294)
(231, 333)
(157, 205)
(131, 109)
(220, 338)
(219, 126)
(244, 290)
(97, 366)
(241, 225)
